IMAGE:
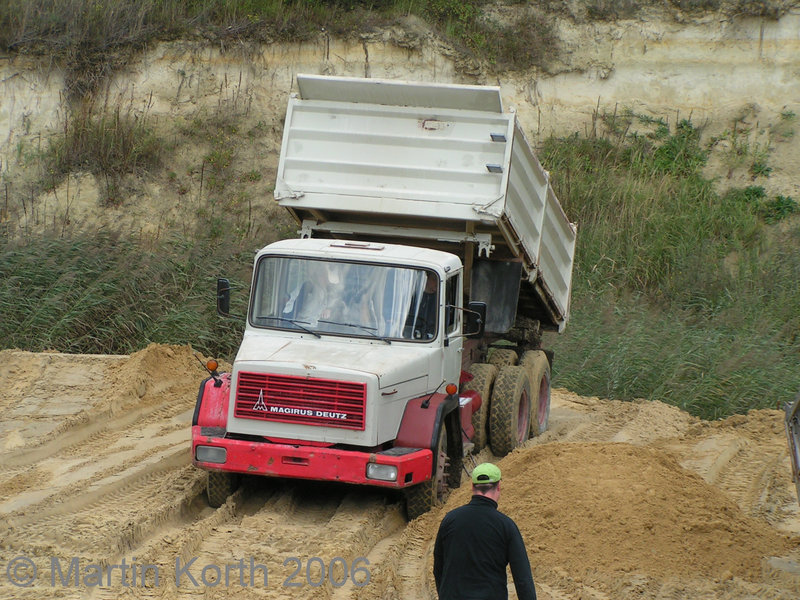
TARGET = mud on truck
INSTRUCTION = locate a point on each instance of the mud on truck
(401, 331)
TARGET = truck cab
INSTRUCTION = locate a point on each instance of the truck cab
(345, 345)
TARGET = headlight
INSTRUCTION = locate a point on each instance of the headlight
(212, 454)
(382, 472)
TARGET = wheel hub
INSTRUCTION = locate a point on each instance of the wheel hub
(523, 417)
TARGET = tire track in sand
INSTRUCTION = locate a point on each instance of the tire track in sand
(128, 507)
(288, 527)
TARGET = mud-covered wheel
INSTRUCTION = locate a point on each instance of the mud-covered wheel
(219, 486)
(502, 357)
(483, 376)
(510, 410)
(529, 359)
(447, 473)
(539, 371)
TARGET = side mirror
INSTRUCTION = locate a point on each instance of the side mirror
(475, 319)
(224, 297)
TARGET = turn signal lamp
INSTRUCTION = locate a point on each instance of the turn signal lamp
(451, 389)
(212, 365)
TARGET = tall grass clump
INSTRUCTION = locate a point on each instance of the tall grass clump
(109, 143)
(103, 294)
(520, 39)
(681, 294)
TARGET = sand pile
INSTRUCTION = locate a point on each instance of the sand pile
(157, 370)
(622, 508)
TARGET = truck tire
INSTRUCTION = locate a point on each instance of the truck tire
(219, 486)
(539, 371)
(510, 410)
(529, 359)
(502, 357)
(447, 476)
(483, 376)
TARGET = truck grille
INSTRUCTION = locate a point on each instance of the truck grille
(300, 400)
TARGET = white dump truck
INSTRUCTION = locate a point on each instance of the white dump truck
(401, 330)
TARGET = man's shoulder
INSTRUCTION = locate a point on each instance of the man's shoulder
(456, 513)
(506, 519)
(470, 508)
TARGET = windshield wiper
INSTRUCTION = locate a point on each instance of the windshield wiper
(295, 323)
(369, 330)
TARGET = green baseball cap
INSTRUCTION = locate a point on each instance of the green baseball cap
(485, 473)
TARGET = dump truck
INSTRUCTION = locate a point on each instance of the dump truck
(401, 330)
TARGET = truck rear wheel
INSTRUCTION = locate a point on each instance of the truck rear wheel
(502, 357)
(219, 486)
(510, 410)
(446, 476)
(483, 376)
(539, 370)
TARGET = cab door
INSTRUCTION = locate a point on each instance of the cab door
(452, 325)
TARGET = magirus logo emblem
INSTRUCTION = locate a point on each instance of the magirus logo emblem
(260, 405)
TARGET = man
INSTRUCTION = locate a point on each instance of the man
(475, 543)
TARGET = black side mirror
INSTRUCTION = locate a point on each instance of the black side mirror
(224, 297)
(475, 319)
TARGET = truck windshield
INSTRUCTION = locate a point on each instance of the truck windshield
(352, 299)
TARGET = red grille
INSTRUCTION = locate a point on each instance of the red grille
(300, 400)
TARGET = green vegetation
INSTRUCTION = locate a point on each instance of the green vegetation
(613, 10)
(783, 130)
(521, 41)
(606, 10)
(97, 293)
(93, 38)
(109, 144)
(778, 208)
(681, 295)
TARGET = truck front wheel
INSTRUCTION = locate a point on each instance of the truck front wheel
(510, 411)
(446, 476)
(219, 486)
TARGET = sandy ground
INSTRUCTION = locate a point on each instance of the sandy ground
(617, 500)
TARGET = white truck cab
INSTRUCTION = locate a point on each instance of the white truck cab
(385, 318)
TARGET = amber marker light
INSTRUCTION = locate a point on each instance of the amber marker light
(451, 388)
(212, 365)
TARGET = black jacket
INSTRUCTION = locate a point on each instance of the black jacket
(474, 544)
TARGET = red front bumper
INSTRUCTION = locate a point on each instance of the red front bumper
(310, 462)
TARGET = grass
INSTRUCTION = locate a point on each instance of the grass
(681, 295)
(108, 143)
(712, 364)
(101, 294)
